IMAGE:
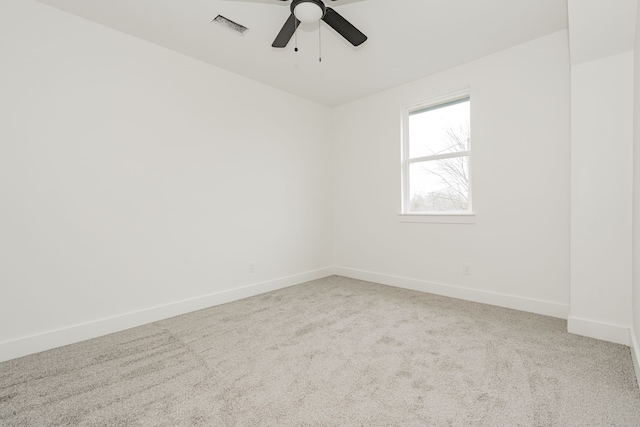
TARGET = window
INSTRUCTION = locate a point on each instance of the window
(436, 157)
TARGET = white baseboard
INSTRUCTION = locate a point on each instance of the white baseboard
(546, 308)
(72, 334)
(635, 353)
(599, 330)
(56, 338)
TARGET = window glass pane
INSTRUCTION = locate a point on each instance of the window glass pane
(439, 130)
(439, 185)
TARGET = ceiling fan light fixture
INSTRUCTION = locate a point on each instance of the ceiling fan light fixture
(312, 11)
(308, 11)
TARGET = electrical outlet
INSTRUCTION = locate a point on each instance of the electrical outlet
(252, 267)
(466, 269)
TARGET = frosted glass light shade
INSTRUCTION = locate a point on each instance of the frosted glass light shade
(307, 12)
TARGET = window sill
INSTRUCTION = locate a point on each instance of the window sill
(452, 218)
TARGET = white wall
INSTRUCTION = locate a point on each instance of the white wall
(132, 177)
(635, 332)
(518, 249)
(601, 182)
(600, 28)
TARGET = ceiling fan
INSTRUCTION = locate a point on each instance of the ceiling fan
(308, 11)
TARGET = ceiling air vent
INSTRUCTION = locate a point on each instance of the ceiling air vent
(228, 23)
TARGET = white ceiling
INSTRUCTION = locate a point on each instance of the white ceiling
(408, 39)
(599, 30)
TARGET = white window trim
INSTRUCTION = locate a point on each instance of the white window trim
(461, 217)
(439, 218)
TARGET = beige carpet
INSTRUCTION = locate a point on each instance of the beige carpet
(332, 352)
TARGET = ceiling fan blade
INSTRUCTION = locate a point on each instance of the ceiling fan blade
(344, 27)
(286, 32)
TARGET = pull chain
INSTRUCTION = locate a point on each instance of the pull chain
(295, 31)
(319, 41)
